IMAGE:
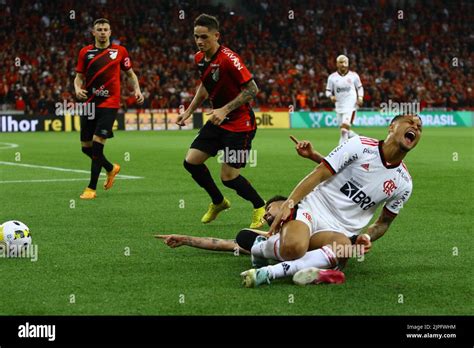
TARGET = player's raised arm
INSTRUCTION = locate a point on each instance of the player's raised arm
(304, 148)
(199, 97)
(136, 85)
(79, 80)
(248, 93)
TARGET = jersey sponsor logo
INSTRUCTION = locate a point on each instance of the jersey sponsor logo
(348, 160)
(343, 89)
(113, 54)
(235, 60)
(308, 217)
(389, 186)
(403, 174)
(365, 166)
(359, 197)
(101, 92)
(369, 151)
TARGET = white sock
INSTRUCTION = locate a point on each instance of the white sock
(269, 249)
(352, 134)
(320, 258)
(344, 135)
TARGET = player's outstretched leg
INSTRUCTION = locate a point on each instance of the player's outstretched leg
(231, 178)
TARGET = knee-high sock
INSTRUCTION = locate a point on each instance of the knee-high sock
(201, 175)
(269, 249)
(87, 151)
(245, 190)
(105, 163)
(320, 258)
(344, 135)
(96, 165)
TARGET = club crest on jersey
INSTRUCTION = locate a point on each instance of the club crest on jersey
(215, 74)
(113, 54)
(388, 187)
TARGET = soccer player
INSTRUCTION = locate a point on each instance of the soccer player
(98, 81)
(229, 85)
(335, 202)
(345, 90)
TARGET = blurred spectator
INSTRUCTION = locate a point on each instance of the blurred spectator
(426, 56)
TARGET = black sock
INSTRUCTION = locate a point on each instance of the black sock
(245, 190)
(97, 162)
(201, 175)
(87, 151)
(106, 164)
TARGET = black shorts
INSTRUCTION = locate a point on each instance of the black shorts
(235, 145)
(101, 125)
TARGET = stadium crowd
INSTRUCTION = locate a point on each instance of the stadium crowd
(403, 50)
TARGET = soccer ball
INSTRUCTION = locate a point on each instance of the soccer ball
(15, 237)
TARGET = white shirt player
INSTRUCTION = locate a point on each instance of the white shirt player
(346, 89)
(362, 182)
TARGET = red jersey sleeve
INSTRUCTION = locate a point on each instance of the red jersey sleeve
(238, 70)
(80, 68)
(125, 63)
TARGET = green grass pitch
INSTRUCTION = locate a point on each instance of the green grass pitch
(424, 261)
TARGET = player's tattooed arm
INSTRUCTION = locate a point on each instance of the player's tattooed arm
(248, 93)
(207, 243)
(378, 229)
(135, 85)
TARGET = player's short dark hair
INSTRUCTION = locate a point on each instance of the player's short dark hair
(208, 21)
(275, 199)
(398, 117)
(101, 21)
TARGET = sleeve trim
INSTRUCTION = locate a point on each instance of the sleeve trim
(389, 212)
(326, 163)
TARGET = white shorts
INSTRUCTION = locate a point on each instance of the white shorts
(316, 221)
(346, 117)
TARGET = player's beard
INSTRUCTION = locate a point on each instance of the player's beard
(269, 220)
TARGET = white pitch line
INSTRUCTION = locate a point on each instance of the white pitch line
(65, 169)
(8, 146)
(52, 180)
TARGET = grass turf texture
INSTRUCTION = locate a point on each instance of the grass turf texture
(82, 249)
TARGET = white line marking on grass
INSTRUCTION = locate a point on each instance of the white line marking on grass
(119, 176)
(8, 146)
(55, 180)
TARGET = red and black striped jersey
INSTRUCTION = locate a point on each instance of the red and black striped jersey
(101, 68)
(223, 76)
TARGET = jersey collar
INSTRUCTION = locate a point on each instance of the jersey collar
(382, 157)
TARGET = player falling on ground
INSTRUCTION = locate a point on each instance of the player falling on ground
(336, 201)
(345, 90)
(227, 83)
(98, 81)
(244, 240)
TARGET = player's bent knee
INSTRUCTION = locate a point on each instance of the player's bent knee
(292, 251)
